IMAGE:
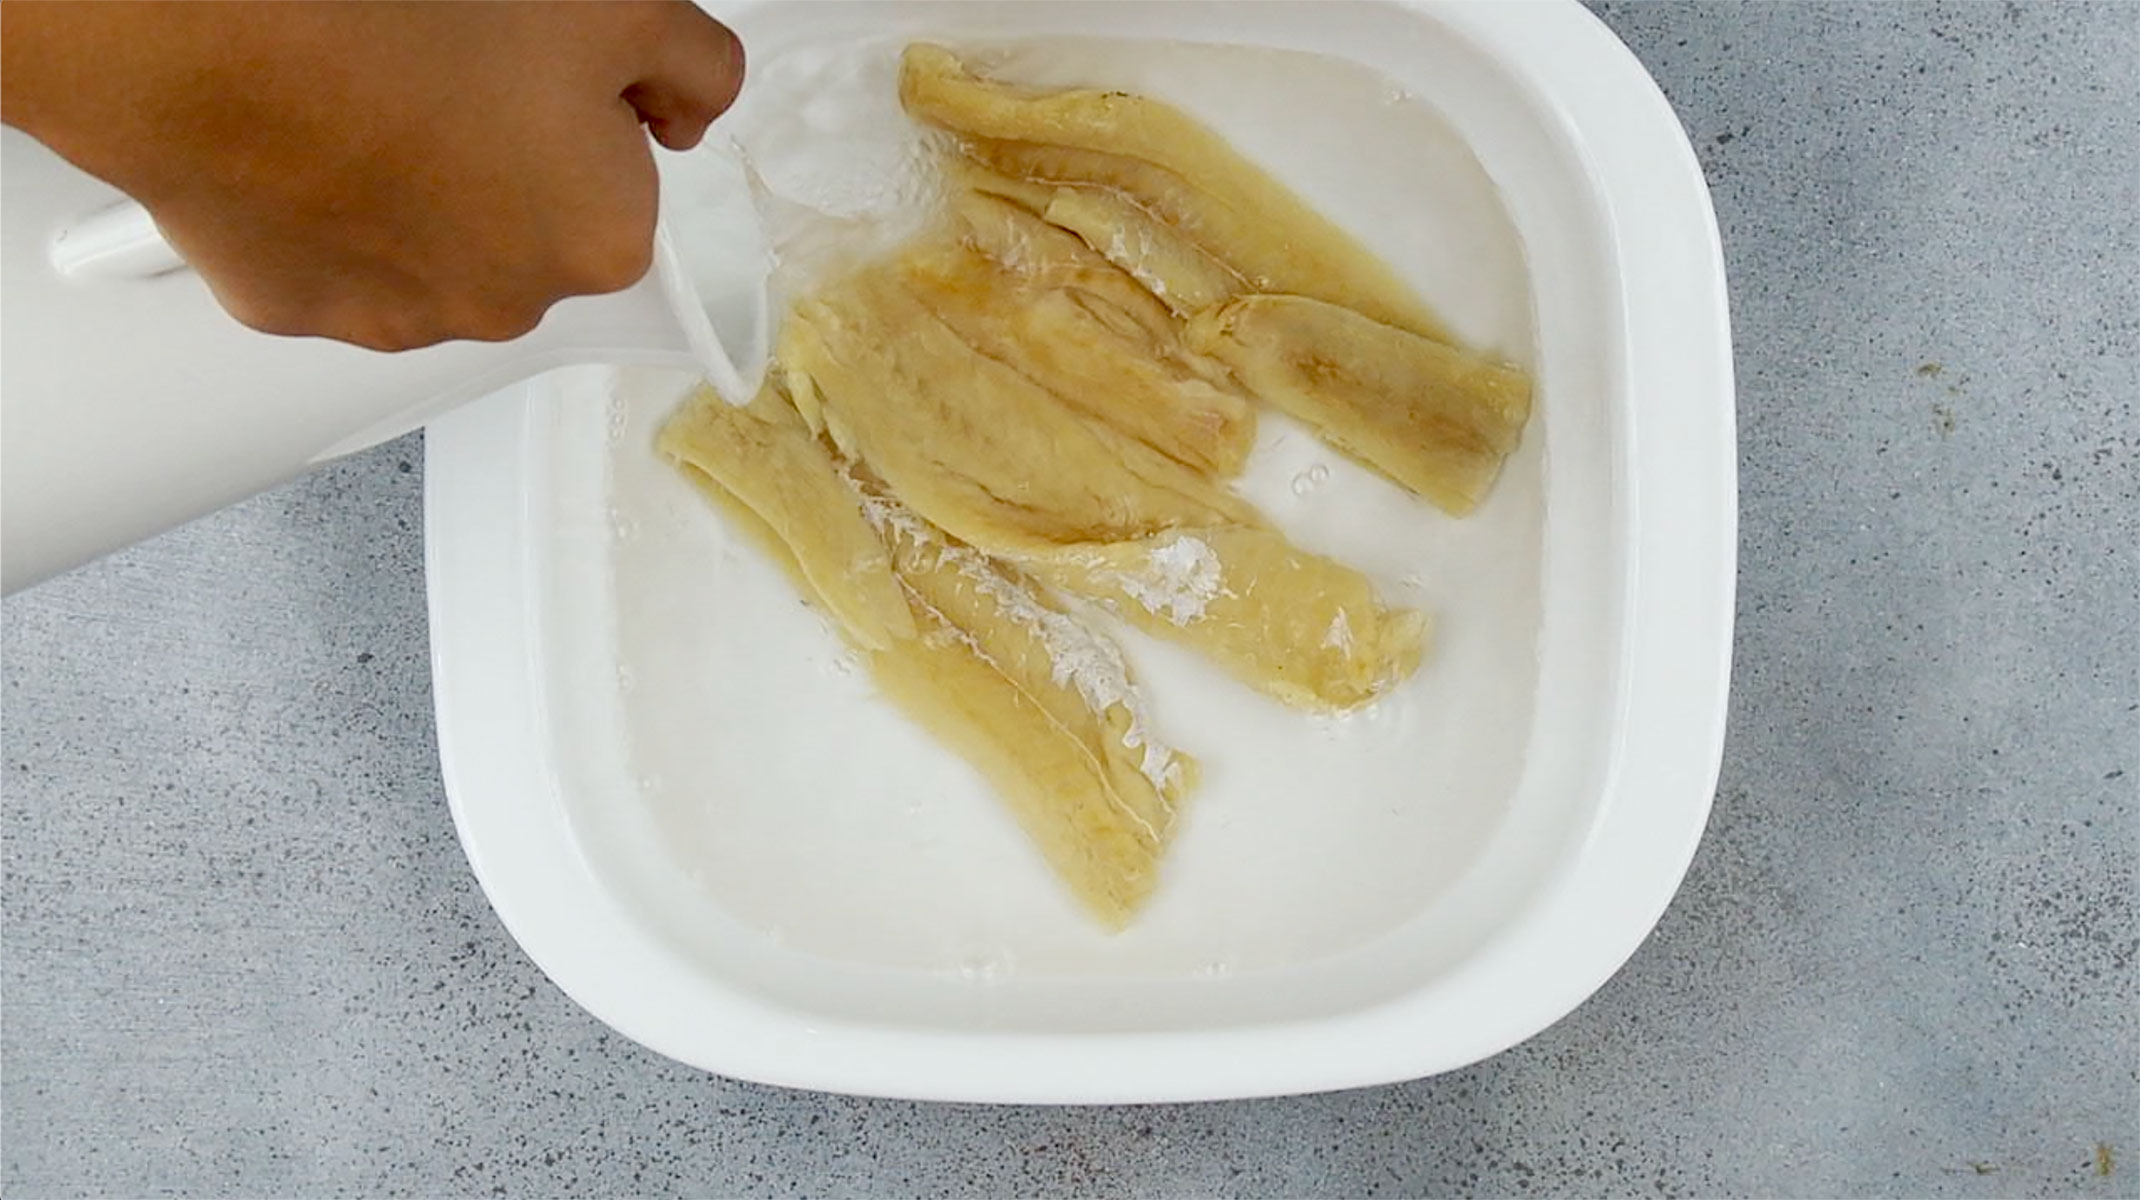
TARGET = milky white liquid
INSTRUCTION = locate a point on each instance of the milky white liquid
(780, 796)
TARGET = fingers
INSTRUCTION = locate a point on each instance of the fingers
(604, 237)
(459, 220)
(697, 75)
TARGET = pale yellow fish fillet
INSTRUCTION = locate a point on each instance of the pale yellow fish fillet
(765, 456)
(978, 449)
(1172, 268)
(1109, 863)
(1181, 274)
(1056, 721)
(1045, 256)
(1171, 166)
(1435, 419)
(1041, 255)
(961, 172)
(1093, 357)
(1044, 707)
(1299, 627)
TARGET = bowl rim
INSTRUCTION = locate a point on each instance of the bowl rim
(1681, 491)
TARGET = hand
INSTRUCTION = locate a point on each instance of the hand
(388, 174)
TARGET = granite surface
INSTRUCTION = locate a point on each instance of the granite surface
(241, 954)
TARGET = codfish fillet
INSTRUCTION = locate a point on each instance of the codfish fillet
(1043, 706)
(1172, 167)
(1435, 419)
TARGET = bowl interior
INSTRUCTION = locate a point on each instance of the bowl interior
(742, 794)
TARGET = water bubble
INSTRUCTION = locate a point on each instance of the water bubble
(1394, 93)
(985, 967)
(1217, 969)
(1310, 479)
(625, 679)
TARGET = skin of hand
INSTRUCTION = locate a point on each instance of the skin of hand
(387, 174)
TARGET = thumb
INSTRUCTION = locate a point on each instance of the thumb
(698, 74)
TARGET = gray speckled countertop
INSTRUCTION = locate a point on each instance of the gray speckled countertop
(242, 954)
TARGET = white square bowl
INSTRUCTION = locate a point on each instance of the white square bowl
(709, 835)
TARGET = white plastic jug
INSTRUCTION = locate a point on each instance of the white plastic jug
(130, 402)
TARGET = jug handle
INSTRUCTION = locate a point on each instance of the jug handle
(118, 243)
(658, 321)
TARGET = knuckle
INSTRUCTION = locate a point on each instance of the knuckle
(274, 323)
(389, 336)
(274, 319)
(496, 323)
(395, 341)
(385, 328)
(370, 326)
(609, 264)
